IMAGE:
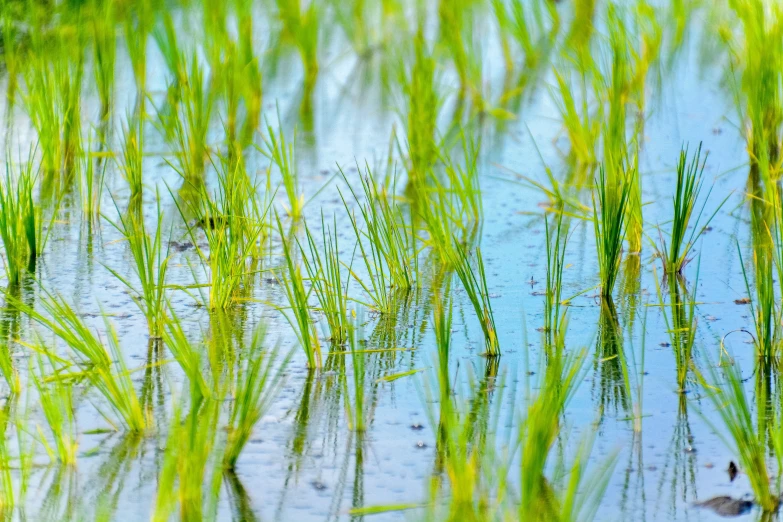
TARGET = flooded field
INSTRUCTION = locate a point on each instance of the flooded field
(456, 260)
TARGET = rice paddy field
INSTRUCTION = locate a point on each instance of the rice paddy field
(405, 260)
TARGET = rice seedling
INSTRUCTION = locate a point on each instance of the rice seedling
(185, 121)
(150, 264)
(555, 321)
(740, 432)
(610, 209)
(12, 55)
(236, 74)
(461, 184)
(765, 311)
(131, 162)
(55, 395)
(440, 214)
(582, 124)
(582, 28)
(91, 184)
(616, 89)
(325, 274)
(354, 19)
(647, 52)
(386, 246)
(293, 283)
(103, 367)
(137, 31)
(676, 254)
(234, 221)
(7, 490)
(250, 71)
(475, 284)
(456, 34)
(760, 59)
(104, 40)
(301, 26)
(534, 27)
(423, 101)
(282, 154)
(258, 382)
(53, 80)
(19, 221)
(8, 370)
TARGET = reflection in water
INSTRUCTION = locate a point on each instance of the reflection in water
(61, 501)
(241, 505)
(631, 286)
(109, 480)
(609, 363)
(680, 318)
(679, 467)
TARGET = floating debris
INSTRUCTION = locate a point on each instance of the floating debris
(726, 506)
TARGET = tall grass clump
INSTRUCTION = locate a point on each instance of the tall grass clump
(325, 273)
(299, 317)
(475, 284)
(150, 264)
(384, 241)
(675, 254)
(257, 383)
(610, 211)
(741, 431)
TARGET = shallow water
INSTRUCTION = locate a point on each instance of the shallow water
(303, 463)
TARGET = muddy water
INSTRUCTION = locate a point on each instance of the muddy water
(303, 463)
